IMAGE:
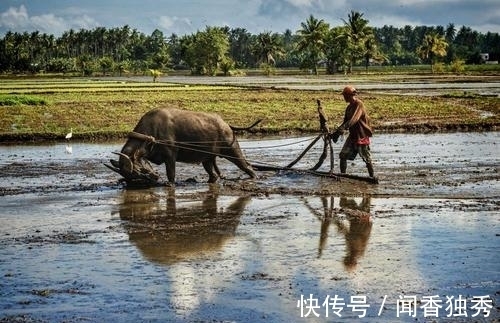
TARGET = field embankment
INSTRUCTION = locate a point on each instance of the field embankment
(46, 109)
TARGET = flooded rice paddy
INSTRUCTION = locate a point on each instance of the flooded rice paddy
(76, 245)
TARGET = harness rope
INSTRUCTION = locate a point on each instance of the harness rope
(200, 144)
(152, 139)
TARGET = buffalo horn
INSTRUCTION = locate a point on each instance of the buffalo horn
(128, 167)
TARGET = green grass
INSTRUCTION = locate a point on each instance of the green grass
(12, 100)
(103, 109)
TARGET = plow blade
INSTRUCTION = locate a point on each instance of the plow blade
(136, 179)
(336, 176)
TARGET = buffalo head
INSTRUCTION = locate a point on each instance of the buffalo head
(134, 166)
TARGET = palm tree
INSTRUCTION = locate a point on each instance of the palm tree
(267, 48)
(449, 36)
(371, 51)
(240, 46)
(433, 46)
(312, 40)
(450, 32)
(356, 34)
(335, 50)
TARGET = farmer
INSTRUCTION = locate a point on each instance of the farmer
(360, 131)
(357, 233)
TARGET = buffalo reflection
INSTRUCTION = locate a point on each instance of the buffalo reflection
(167, 229)
(356, 229)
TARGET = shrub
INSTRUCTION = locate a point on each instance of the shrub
(10, 100)
(268, 69)
(155, 74)
(438, 68)
(457, 66)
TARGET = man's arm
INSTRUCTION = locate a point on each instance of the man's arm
(348, 122)
(353, 119)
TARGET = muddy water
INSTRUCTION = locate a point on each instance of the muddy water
(77, 245)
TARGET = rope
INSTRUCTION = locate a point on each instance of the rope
(192, 146)
(205, 143)
(281, 145)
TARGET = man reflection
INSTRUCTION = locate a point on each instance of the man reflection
(167, 229)
(358, 232)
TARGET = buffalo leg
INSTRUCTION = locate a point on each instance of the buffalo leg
(235, 156)
(170, 172)
(243, 165)
(217, 170)
(209, 167)
(170, 168)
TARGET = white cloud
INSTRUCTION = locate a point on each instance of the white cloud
(14, 18)
(166, 22)
(55, 17)
(174, 24)
(84, 21)
(302, 3)
(18, 19)
(47, 22)
(380, 20)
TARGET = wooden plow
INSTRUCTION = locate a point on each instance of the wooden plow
(327, 148)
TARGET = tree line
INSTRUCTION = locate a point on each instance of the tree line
(226, 50)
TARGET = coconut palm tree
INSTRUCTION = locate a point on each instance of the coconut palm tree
(357, 32)
(268, 47)
(450, 32)
(312, 40)
(433, 46)
(240, 47)
(372, 52)
(335, 50)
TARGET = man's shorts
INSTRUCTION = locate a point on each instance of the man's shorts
(350, 150)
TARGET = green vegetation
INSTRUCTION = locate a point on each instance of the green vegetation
(105, 109)
(221, 50)
(433, 47)
(312, 41)
(11, 100)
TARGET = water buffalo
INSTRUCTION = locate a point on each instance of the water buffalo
(167, 135)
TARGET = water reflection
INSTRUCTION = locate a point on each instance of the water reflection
(167, 229)
(352, 220)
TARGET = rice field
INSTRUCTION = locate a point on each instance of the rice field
(47, 108)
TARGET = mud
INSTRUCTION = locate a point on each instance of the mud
(77, 245)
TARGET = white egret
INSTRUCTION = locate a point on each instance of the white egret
(69, 135)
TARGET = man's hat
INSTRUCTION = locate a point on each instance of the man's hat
(350, 90)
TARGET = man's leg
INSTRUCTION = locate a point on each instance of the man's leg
(364, 152)
(348, 152)
(343, 165)
(369, 166)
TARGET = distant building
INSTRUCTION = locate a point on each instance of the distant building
(485, 59)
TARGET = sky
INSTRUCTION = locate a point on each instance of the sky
(188, 16)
